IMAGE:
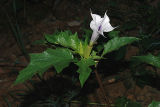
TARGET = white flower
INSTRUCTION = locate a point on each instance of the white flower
(99, 25)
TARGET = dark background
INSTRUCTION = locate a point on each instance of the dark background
(22, 22)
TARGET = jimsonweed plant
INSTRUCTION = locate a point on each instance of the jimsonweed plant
(67, 48)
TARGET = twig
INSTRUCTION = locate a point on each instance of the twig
(90, 103)
(102, 88)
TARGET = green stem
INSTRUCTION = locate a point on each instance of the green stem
(88, 51)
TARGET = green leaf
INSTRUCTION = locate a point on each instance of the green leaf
(116, 43)
(39, 42)
(149, 59)
(124, 102)
(69, 40)
(154, 104)
(120, 54)
(40, 62)
(94, 55)
(84, 69)
(65, 39)
(87, 32)
(99, 48)
(113, 34)
(133, 104)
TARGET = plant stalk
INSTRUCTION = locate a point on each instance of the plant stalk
(102, 88)
(88, 51)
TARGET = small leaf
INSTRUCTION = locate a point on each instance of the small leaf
(149, 59)
(84, 69)
(154, 104)
(116, 43)
(95, 56)
(99, 48)
(40, 62)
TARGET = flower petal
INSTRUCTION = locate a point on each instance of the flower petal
(95, 36)
(106, 18)
(99, 25)
(101, 32)
(94, 25)
(96, 18)
(105, 23)
(107, 27)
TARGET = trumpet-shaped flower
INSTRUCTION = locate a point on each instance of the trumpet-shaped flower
(99, 25)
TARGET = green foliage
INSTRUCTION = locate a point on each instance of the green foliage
(116, 43)
(69, 44)
(142, 76)
(66, 39)
(149, 59)
(84, 69)
(154, 104)
(124, 102)
(39, 42)
(87, 32)
(148, 43)
(140, 73)
(69, 40)
(95, 56)
(59, 58)
(120, 54)
(113, 34)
